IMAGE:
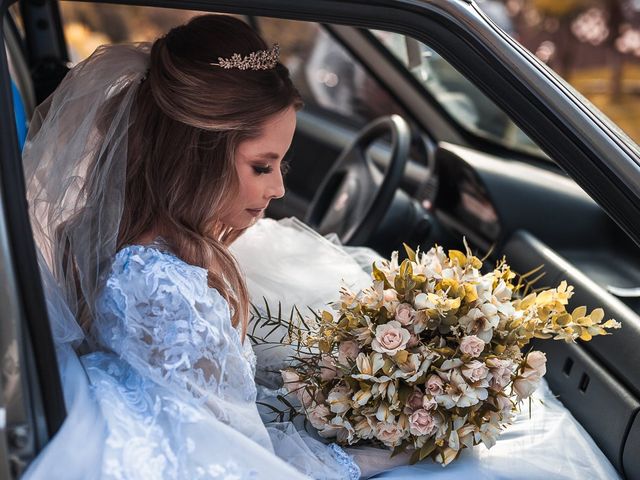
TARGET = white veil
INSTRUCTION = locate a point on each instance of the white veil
(74, 162)
(70, 134)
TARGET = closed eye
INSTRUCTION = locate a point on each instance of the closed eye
(266, 169)
(262, 170)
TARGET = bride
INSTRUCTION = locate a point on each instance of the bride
(148, 173)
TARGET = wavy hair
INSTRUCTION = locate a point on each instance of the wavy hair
(187, 121)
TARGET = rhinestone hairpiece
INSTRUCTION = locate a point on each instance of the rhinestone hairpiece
(258, 60)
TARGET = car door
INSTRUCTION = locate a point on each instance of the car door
(31, 403)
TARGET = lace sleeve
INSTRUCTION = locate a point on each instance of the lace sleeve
(159, 314)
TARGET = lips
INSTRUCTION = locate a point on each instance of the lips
(255, 211)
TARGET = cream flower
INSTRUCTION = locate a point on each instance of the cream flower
(372, 297)
(390, 338)
(458, 393)
(481, 321)
(429, 403)
(365, 428)
(421, 301)
(339, 399)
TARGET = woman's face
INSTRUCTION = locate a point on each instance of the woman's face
(258, 162)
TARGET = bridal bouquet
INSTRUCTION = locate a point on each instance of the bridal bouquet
(432, 357)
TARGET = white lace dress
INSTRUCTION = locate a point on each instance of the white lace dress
(176, 385)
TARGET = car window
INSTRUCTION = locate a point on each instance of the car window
(328, 77)
(89, 25)
(593, 45)
(463, 101)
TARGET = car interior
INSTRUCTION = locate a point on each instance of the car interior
(395, 145)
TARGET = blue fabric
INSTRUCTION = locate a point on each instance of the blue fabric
(20, 115)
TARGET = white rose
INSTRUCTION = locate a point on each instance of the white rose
(390, 338)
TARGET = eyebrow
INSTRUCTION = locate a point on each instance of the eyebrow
(268, 156)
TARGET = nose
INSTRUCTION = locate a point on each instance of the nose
(276, 187)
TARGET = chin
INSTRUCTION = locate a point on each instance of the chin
(242, 221)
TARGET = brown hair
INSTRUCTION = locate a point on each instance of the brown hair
(188, 119)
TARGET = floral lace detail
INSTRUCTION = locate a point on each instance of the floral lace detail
(343, 458)
(137, 445)
(159, 314)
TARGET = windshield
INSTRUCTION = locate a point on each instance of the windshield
(462, 100)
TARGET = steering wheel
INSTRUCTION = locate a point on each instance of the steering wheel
(354, 197)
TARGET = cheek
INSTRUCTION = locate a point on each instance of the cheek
(248, 186)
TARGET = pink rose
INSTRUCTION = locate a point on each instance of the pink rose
(537, 361)
(327, 368)
(524, 385)
(405, 314)
(318, 416)
(529, 379)
(499, 372)
(413, 341)
(415, 400)
(291, 381)
(390, 295)
(421, 422)
(389, 433)
(472, 345)
(390, 338)
(347, 352)
(475, 371)
(435, 385)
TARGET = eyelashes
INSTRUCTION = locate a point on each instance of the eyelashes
(262, 170)
(267, 169)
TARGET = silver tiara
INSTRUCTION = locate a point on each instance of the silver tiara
(258, 60)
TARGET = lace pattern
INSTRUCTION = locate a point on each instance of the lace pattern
(158, 313)
(346, 460)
